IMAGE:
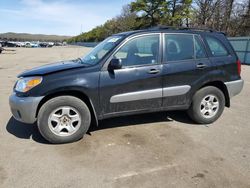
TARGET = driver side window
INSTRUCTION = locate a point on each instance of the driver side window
(140, 51)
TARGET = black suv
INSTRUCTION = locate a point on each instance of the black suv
(129, 73)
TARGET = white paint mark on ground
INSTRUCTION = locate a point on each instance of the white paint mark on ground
(146, 171)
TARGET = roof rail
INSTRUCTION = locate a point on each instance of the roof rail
(185, 28)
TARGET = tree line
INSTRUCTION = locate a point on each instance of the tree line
(229, 16)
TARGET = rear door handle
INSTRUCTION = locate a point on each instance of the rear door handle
(201, 66)
(153, 71)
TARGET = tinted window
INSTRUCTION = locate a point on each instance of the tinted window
(199, 48)
(216, 47)
(179, 47)
(139, 51)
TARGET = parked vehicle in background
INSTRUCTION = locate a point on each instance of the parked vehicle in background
(43, 44)
(10, 44)
(1, 49)
(28, 44)
(20, 44)
(35, 44)
(134, 72)
(31, 44)
(50, 44)
(46, 44)
(58, 44)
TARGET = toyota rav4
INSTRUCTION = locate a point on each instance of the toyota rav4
(134, 72)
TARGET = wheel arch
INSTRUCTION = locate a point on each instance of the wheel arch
(74, 93)
(220, 85)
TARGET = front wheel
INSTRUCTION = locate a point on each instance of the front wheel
(63, 119)
(207, 105)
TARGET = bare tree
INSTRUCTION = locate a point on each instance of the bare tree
(204, 11)
(228, 11)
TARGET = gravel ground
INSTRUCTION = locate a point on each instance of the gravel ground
(153, 150)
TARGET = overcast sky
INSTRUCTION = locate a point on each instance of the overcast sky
(61, 17)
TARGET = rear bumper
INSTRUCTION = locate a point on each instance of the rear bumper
(24, 108)
(234, 87)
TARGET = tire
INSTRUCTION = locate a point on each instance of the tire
(63, 119)
(204, 108)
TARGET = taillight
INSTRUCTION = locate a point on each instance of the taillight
(238, 67)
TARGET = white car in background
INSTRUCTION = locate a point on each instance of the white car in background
(31, 45)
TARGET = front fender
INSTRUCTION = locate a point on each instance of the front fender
(76, 92)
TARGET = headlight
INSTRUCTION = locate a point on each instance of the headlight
(26, 84)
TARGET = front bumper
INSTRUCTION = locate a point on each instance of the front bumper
(234, 87)
(24, 108)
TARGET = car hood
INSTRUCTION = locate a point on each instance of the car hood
(51, 68)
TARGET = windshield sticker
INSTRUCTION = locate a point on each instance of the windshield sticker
(113, 40)
(92, 57)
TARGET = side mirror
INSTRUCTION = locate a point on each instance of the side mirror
(115, 64)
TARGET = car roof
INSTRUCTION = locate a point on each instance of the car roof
(168, 29)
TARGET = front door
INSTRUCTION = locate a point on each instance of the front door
(137, 86)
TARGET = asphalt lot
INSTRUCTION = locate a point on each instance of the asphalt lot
(152, 150)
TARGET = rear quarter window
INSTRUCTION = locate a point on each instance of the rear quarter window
(216, 47)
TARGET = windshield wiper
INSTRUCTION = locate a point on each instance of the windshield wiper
(83, 62)
(79, 60)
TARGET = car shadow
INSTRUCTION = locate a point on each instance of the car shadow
(142, 119)
(181, 116)
(26, 131)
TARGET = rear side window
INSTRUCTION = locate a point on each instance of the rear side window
(179, 47)
(216, 47)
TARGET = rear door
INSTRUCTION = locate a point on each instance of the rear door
(221, 56)
(137, 86)
(184, 64)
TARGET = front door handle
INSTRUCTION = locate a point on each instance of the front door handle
(201, 66)
(153, 71)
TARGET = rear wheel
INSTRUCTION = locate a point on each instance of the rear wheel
(64, 119)
(207, 105)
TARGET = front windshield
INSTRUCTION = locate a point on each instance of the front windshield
(101, 50)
